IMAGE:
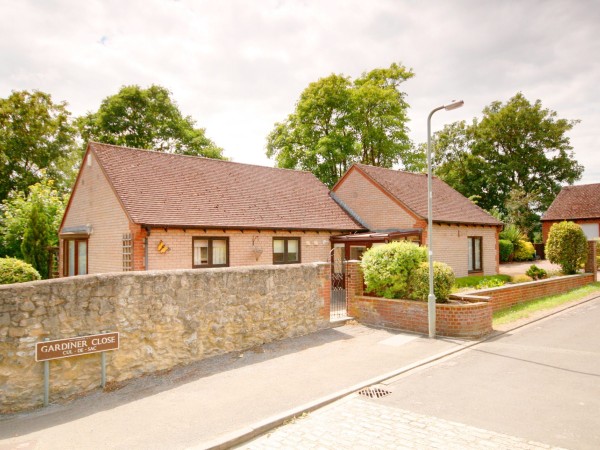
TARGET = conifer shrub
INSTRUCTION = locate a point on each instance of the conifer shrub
(566, 246)
(506, 250)
(443, 281)
(14, 270)
(386, 268)
(536, 273)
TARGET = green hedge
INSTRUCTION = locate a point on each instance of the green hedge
(14, 270)
(443, 281)
(567, 246)
(506, 250)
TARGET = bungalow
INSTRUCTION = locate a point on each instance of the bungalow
(392, 205)
(579, 204)
(133, 209)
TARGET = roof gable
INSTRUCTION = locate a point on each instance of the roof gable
(575, 202)
(410, 191)
(161, 189)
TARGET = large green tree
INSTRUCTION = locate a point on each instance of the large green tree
(514, 159)
(338, 121)
(146, 118)
(37, 139)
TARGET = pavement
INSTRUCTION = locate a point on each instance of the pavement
(226, 400)
(519, 268)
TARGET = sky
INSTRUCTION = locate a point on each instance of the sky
(238, 67)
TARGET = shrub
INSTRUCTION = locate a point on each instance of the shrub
(566, 246)
(386, 268)
(512, 233)
(490, 283)
(443, 280)
(480, 280)
(14, 270)
(524, 251)
(536, 273)
(506, 250)
(521, 278)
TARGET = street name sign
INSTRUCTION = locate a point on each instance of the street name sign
(76, 346)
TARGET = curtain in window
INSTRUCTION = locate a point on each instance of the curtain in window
(219, 252)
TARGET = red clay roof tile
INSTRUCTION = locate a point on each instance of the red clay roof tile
(575, 202)
(164, 189)
(449, 205)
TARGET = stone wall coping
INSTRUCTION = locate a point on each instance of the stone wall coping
(527, 283)
(153, 273)
(472, 304)
(471, 298)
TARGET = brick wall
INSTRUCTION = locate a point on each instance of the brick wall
(314, 247)
(506, 296)
(546, 225)
(470, 319)
(94, 203)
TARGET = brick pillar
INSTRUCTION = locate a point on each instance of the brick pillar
(354, 284)
(138, 234)
(591, 264)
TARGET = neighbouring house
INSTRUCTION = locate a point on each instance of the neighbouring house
(392, 205)
(133, 209)
(579, 204)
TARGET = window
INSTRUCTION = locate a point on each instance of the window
(286, 250)
(75, 252)
(475, 254)
(210, 252)
(127, 252)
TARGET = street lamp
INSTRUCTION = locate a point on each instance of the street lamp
(431, 296)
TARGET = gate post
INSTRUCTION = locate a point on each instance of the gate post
(591, 265)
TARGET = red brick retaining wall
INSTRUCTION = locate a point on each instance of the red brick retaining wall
(506, 296)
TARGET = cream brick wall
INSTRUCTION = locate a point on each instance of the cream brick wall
(315, 247)
(376, 209)
(450, 246)
(94, 203)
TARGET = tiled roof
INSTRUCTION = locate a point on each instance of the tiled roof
(187, 191)
(449, 206)
(575, 202)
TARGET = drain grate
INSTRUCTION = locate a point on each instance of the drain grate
(374, 392)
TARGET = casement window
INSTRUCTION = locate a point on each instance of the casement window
(286, 250)
(210, 252)
(475, 246)
(75, 256)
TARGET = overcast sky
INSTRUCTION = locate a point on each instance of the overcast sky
(237, 67)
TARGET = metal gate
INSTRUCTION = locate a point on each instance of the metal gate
(338, 308)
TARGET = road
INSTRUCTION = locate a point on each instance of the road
(538, 385)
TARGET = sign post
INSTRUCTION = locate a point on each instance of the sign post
(66, 348)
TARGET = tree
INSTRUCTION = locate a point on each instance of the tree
(337, 122)
(36, 238)
(45, 201)
(37, 139)
(515, 158)
(146, 118)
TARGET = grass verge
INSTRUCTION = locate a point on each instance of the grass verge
(524, 310)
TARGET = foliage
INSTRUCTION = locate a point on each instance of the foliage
(524, 251)
(14, 270)
(516, 157)
(35, 240)
(17, 212)
(146, 118)
(521, 278)
(338, 122)
(506, 249)
(37, 139)
(566, 246)
(386, 268)
(443, 280)
(481, 280)
(512, 233)
(536, 273)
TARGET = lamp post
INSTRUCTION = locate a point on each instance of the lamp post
(431, 296)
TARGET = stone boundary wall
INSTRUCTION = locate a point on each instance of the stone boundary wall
(513, 294)
(165, 319)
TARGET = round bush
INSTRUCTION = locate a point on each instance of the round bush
(524, 251)
(506, 249)
(386, 268)
(14, 270)
(443, 280)
(566, 246)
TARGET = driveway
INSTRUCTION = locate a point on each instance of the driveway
(517, 268)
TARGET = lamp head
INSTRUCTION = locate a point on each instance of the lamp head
(455, 104)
